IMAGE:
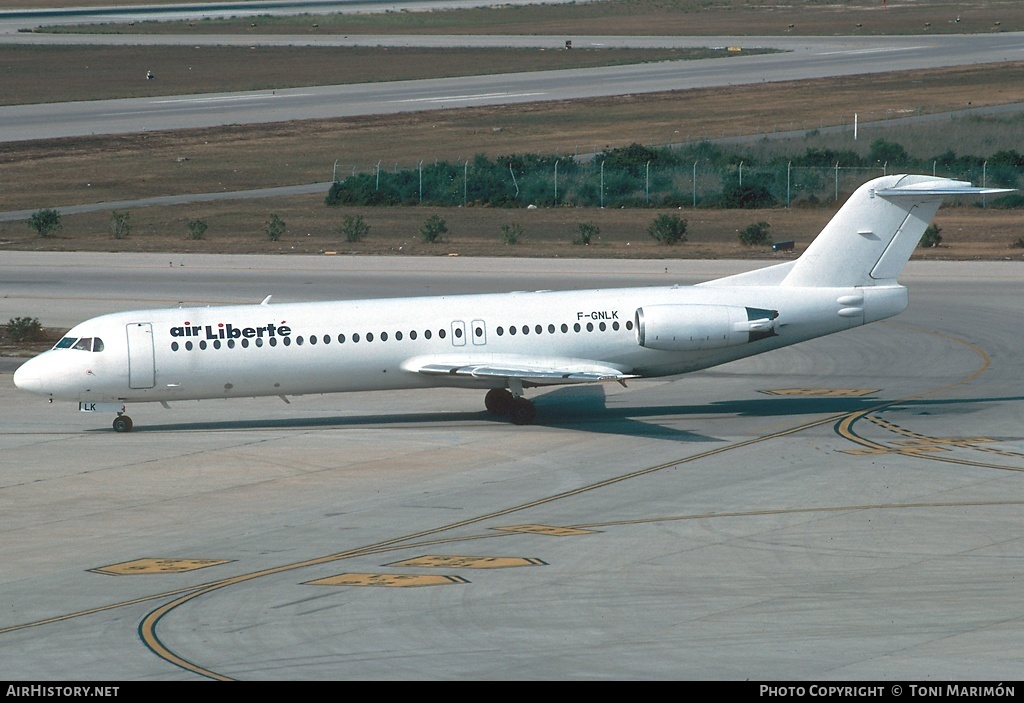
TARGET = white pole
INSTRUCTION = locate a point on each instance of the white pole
(855, 126)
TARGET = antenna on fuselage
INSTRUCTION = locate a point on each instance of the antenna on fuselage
(266, 301)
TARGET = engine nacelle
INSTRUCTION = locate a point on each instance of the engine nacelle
(697, 327)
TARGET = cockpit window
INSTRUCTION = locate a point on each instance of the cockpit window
(93, 344)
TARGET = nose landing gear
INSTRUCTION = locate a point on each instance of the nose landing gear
(122, 423)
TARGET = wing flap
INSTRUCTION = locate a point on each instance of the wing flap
(537, 372)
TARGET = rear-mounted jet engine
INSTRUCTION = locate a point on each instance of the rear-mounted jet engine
(697, 327)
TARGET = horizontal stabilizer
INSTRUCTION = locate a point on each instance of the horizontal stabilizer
(940, 187)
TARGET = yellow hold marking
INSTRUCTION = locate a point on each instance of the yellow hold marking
(388, 580)
(467, 562)
(824, 392)
(549, 530)
(157, 566)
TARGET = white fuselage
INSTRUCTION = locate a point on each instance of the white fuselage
(305, 348)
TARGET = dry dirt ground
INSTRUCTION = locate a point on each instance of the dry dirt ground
(658, 17)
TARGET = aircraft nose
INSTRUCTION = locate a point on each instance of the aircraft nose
(28, 377)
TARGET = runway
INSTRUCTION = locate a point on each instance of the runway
(800, 58)
(847, 509)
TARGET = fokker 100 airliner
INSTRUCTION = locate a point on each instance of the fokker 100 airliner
(503, 343)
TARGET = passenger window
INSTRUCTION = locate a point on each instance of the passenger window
(441, 333)
(341, 339)
(398, 336)
(538, 329)
(369, 336)
(383, 336)
(426, 334)
(412, 335)
(500, 331)
(565, 328)
(526, 329)
(312, 339)
(551, 329)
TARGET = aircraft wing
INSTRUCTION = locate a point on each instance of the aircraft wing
(529, 370)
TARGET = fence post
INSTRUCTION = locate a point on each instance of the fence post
(556, 182)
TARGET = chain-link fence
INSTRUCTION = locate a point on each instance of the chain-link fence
(521, 181)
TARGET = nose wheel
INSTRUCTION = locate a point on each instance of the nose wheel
(122, 423)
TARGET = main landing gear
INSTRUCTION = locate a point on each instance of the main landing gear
(500, 401)
(122, 423)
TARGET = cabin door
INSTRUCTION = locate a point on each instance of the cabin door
(141, 357)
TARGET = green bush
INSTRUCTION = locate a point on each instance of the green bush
(45, 222)
(668, 229)
(433, 228)
(120, 224)
(275, 228)
(750, 195)
(931, 236)
(353, 228)
(196, 229)
(511, 233)
(756, 234)
(585, 231)
(24, 329)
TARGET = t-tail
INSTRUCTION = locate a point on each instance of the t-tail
(871, 238)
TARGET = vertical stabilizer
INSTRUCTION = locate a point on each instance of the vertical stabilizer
(871, 238)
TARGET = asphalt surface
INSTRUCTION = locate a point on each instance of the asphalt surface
(845, 509)
(801, 58)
